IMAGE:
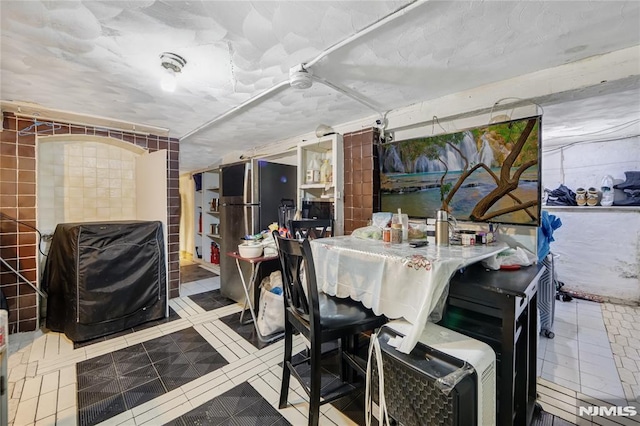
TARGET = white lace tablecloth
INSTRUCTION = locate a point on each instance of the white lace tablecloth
(394, 280)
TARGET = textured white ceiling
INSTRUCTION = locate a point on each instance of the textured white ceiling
(102, 58)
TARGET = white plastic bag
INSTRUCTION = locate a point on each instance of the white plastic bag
(271, 307)
(368, 232)
(517, 256)
(271, 312)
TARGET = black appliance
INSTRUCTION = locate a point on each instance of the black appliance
(105, 277)
(251, 193)
(316, 210)
(286, 212)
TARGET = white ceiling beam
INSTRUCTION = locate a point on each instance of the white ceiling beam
(454, 111)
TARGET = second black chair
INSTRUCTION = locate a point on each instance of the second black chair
(319, 318)
(311, 228)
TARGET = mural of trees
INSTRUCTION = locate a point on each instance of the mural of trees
(503, 151)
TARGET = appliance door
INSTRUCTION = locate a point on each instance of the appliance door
(237, 220)
(274, 182)
(235, 183)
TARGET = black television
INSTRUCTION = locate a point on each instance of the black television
(485, 174)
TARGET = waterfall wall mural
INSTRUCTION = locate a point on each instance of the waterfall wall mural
(486, 174)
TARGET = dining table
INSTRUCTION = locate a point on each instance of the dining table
(395, 280)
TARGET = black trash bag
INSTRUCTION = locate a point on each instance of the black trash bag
(561, 196)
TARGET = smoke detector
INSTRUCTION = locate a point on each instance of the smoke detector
(299, 77)
(172, 64)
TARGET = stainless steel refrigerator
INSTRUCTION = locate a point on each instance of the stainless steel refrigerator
(250, 195)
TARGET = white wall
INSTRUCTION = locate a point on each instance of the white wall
(599, 247)
(187, 213)
(584, 164)
(83, 181)
(599, 251)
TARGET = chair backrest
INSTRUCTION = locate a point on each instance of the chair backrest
(300, 294)
(311, 228)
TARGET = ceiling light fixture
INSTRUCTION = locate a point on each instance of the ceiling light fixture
(172, 64)
(300, 77)
(324, 130)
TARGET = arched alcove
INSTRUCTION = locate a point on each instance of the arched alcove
(82, 178)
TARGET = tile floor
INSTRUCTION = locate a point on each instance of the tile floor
(594, 358)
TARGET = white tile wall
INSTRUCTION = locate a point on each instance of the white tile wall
(84, 181)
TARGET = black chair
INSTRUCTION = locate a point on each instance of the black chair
(311, 228)
(319, 318)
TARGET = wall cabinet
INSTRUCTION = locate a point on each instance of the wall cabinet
(321, 179)
(207, 218)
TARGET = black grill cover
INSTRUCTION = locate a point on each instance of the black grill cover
(104, 277)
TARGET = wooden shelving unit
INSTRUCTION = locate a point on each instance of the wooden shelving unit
(203, 201)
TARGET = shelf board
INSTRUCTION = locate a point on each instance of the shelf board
(213, 212)
(213, 189)
(321, 200)
(317, 185)
(216, 236)
(592, 208)
(208, 265)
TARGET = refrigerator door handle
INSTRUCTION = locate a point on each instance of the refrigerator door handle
(254, 221)
(246, 194)
(247, 221)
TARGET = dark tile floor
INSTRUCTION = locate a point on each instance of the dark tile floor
(247, 330)
(240, 406)
(352, 405)
(172, 317)
(118, 381)
(190, 273)
(211, 300)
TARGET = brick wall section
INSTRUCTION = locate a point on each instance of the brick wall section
(361, 179)
(18, 243)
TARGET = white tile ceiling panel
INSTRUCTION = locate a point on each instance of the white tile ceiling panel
(102, 58)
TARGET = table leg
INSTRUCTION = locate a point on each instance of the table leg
(247, 302)
(247, 291)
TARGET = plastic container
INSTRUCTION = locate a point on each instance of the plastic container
(606, 186)
(396, 233)
(468, 238)
(386, 235)
(403, 221)
(250, 250)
